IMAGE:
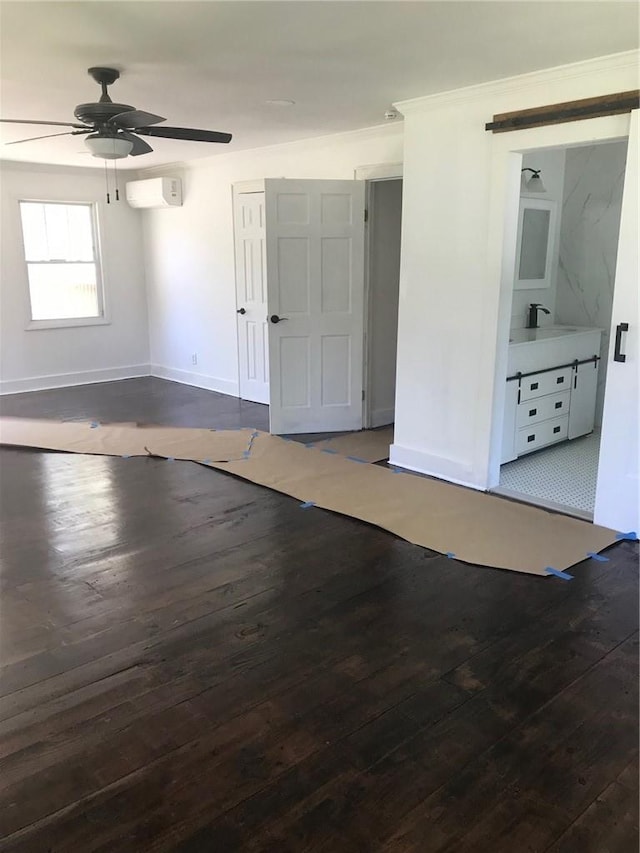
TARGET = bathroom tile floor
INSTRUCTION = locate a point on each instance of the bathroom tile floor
(564, 475)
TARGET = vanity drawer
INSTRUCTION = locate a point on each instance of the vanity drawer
(539, 435)
(542, 408)
(541, 384)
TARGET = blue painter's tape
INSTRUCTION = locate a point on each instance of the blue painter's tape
(94, 424)
(597, 557)
(206, 462)
(246, 454)
(255, 434)
(311, 444)
(397, 471)
(564, 575)
(285, 439)
(126, 456)
(329, 450)
(630, 535)
(307, 504)
(357, 459)
(170, 459)
(450, 555)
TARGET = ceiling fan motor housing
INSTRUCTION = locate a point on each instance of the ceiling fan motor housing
(100, 113)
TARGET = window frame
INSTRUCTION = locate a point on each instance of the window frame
(102, 319)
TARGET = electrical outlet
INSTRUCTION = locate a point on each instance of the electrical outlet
(194, 358)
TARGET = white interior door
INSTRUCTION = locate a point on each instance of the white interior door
(251, 296)
(315, 284)
(617, 493)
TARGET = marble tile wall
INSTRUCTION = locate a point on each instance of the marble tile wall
(590, 222)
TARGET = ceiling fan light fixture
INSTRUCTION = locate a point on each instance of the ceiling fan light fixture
(109, 147)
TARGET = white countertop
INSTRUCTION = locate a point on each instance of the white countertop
(545, 333)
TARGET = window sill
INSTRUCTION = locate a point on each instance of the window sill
(34, 325)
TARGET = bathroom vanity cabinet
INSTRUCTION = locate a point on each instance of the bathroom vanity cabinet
(552, 379)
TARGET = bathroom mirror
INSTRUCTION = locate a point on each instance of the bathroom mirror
(536, 231)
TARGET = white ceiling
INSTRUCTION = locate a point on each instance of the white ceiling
(214, 64)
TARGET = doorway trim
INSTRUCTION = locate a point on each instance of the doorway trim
(378, 171)
(376, 174)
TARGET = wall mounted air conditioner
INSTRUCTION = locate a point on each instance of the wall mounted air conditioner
(155, 192)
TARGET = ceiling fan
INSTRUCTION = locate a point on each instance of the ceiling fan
(115, 129)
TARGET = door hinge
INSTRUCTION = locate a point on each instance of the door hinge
(366, 215)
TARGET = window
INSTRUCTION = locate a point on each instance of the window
(62, 263)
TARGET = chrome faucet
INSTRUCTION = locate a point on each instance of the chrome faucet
(532, 320)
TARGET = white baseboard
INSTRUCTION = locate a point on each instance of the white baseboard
(65, 380)
(441, 467)
(198, 380)
(381, 417)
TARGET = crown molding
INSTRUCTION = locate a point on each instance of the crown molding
(47, 168)
(362, 134)
(532, 80)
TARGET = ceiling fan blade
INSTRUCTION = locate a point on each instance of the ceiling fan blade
(51, 123)
(135, 118)
(46, 136)
(186, 133)
(139, 145)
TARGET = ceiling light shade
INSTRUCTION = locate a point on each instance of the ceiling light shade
(108, 147)
(534, 183)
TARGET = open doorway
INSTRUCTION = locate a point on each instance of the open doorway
(559, 340)
(312, 272)
(382, 285)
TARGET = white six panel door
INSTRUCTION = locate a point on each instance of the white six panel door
(251, 296)
(315, 287)
(618, 488)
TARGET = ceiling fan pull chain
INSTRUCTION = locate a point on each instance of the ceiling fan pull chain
(115, 175)
(106, 180)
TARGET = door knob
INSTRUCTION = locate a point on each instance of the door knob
(241, 311)
(275, 319)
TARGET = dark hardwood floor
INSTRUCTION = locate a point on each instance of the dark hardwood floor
(193, 663)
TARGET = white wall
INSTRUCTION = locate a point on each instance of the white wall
(190, 256)
(385, 220)
(589, 242)
(461, 189)
(47, 358)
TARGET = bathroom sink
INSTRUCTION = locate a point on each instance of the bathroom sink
(550, 346)
(525, 336)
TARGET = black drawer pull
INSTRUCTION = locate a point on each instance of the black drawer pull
(559, 405)
(534, 386)
(556, 429)
(559, 380)
(532, 412)
(531, 438)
